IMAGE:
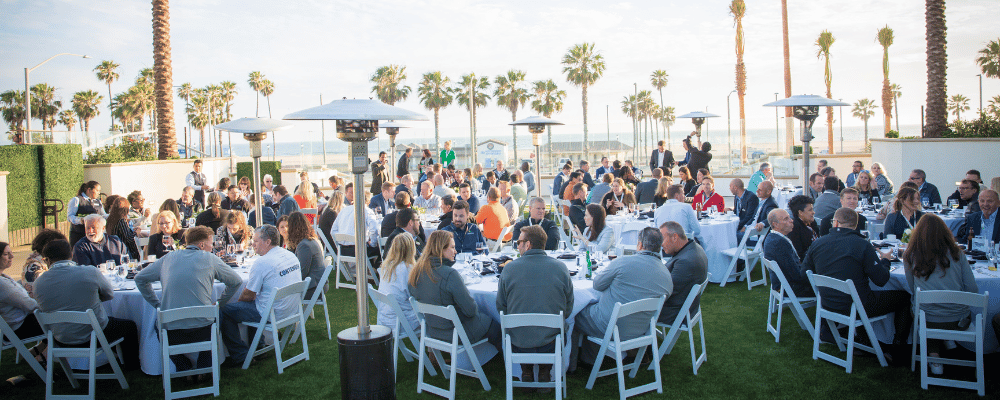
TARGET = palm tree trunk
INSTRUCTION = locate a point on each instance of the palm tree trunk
(257, 113)
(866, 130)
(201, 140)
(586, 139)
(937, 69)
(110, 102)
(513, 128)
(163, 86)
(829, 122)
(887, 104)
(789, 118)
(437, 133)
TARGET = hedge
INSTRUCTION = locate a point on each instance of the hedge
(126, 151)
(23, 186)
(61, 168)
(266, 167)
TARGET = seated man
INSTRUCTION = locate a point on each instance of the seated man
(982, 223)
(188, 277)
(707, 197)
(406, 185)
(427, 199)
(286, 204)
(745, 202)
(688, 267)
(578, 206)
(765, 203)
(234, 201)
(406, 221)
(381, 202)
(536, 216)
(274, 269)
(401, 200)
(967, 195)
(928, 192)
(763, 174)
(849, 199)
(467, 236)
(534, 283)
(493, 216)
(440, 189)
(828, 201)
(645, 191)
(446, 211)
(844, 254)
(267, 212)
(598, 191)
(828, 172)
(674, 209)
(626, 279)
(98, 247)
(465, 194)
(778, 248)
(507, 201)
(67, 286)
(344, 224)
(188, 206)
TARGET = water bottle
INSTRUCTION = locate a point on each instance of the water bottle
(590, 267)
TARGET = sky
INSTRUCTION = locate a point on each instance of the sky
(332, 47)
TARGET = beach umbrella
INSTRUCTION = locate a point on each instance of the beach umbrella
(536, 125)
(255, 130)
(805, 108)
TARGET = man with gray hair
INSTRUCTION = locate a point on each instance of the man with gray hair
(763, 174)
(626, 279)
(97, 247)
(536, 216)
(688, 266)
(274, 269)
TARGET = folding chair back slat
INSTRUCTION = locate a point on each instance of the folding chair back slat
(10, 340)
(552, 321)
(459, 344)
(401, 330)
(342, 261)
(856, 317)
(98, 344)
(974, 334)
(166, 350)
(784, 297)
(750, 257)
(319, 296)
(685, 322)
(612, 345)
(292, 324)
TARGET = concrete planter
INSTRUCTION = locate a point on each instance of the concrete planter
(158, 180)
(944, 160)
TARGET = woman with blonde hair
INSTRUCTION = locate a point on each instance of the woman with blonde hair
(167, 205)
(882, 181)
(302, 241)
(661, 190)
(166, 224)
(214, 215)
(235, 231)
(306, 198)
(867, 188)
(393, 275)
(434, 281)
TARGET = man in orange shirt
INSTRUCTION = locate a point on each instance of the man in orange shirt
(493, 216)
(567, 192)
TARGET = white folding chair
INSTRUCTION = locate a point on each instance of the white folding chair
(749, 256)
(496, 245)
(566, 233)
(644, 207)
(458, 346)
(293, 324)
(551, 321)
(974, 334)
(167, 350)
(382, 240)
(141, 243)
(857, 317)
(400, 331)
(319, 296)
(685, 322)
(329, 249)
(629, 238)
(9, 340)
(343, 260)
(98, 345)
(613, 345)
(311, 211)
(785, 297)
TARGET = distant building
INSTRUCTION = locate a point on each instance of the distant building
(491, 151)
(598, 148)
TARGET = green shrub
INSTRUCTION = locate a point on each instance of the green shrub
(23, 185)
(986, 126)
(798, 149)
(126, 151)
(266, 167)
(61, 171)
(891, 135)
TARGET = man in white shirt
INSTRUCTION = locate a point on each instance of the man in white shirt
(274, 269)
(675, 209)
(508, 202)
(440, 190)
(345, 225)
(198, 181)
(427, 199)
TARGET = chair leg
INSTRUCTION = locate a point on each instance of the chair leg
(326, 312)
(253, 347)
(729, 271)
(621, 371)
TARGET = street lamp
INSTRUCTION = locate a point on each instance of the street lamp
(255, 130)
(777, 131)
(392, 129)
(27, 93)
(729, 131)
(841, 109)
(980, 92)
(805, 107)
(536, 125)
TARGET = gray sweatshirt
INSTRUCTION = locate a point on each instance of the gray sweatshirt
(188, 278)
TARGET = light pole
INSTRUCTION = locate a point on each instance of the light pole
(729, 131)
(536, 125)
(841, 125)
(27, 93)
(980, 92)
(805, 108)
(777, 130)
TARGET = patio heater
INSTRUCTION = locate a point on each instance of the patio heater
(805, 108)
(255, 130)
(366, 368)
(392, 129)
(698, 118)
(536, 125)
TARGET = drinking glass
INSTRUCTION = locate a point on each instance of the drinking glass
(562, 246)
(168, 242)
(231, 249)
(953, 204)
(926, 202)
(480, 246)
(122, 273)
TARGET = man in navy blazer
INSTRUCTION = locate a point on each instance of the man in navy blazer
(928, 192)
(380, 202)
(745, 202)
(645, 191)
(987, 218)
(661, 157)
(765, 205)
(778, 248)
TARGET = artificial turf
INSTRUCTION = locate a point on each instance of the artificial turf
(743, 362)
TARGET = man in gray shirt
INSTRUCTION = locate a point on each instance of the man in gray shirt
(829, 201)
(67, 286)
(188, 278)
(627, 279)
(688, 267)
(534, 284)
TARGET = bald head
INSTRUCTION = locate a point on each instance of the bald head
(780, 221)
(764, 189)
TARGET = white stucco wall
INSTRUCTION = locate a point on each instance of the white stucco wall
(944, 160)
(158, 180)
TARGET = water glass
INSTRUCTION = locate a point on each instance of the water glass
(926, 202)
(562, 246)
(231, 249)
(480, 247)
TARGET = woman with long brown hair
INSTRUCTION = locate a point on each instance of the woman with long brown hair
(393, 274)
(214, 215)
(907, 212)
(117, 225)
(933, 261)
(235, 232)
(282, 226)
(244, 188)
(684, 174)
(302, 241)
(597, 232)
(434, 281)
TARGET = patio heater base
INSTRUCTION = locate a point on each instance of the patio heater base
(366, 370)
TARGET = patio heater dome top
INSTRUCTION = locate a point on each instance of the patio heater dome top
(806, 100)
(393, 124)
(535, 120)
(355, 109)
(698, 114)
(250, 125)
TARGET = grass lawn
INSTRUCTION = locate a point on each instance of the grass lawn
(743, 362)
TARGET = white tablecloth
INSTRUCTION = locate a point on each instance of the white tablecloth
(782, 195)
(718, 234)
(876, 227)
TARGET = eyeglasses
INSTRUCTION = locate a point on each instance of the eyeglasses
(521, 241)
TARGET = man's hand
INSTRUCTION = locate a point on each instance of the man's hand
(146, 213)
(759, 226)
(206, 188)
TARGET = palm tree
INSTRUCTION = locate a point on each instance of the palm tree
(227, 96)
(823, 42)
(989, 59)
(435, 94)
(267, 89)
(184, 93)
(86, 106)
(548, 100)
(44, 106)
(646, 104)
(255, 80)
(884, 39)
(630, 107)
(864, 109)
(738, 9)
(897, 92)
(68, 118)
(163, 88)
(146, 80)
(214, 94)
(659, 80)
(789, 116)
(197, 113)
(388, 84)
(992, 108)
(107, 72)
(478, 88)
(937, 69)
(511, 95)
(667, 118)
(12, 104)
(583, 66)
(957, 104)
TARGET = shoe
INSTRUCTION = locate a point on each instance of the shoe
(527, 375)
(937, 368)
(545, 375)
(234, 363)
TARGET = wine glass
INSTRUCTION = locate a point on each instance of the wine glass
(231, 249)
(953, 203)
(562, 246)
(168, 242)
(480, 246)
(926, 202)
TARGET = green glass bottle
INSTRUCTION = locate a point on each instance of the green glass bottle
(590, 267)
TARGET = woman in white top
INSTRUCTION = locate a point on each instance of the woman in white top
(597, 232)
(393, 277)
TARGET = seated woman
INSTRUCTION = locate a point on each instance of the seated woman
(214, 215)
(933, 261)
(597, 232)
(302, 241)
(907, 214)
(685, 178)
(118, 225)
(804, 228)
(36, 265)
(16, 306)
(244, 189)
(661, 190)
(168, 226)
(283, 230)
(306, 198)
(628, 176)
(168, 205)
(392, 281)
(236, 232)
(619, 198)
(434, 281)
(867, 190)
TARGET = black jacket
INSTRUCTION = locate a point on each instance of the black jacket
(668, 159)
(802, 236)
(845, 254)
(746, 206)
(403, 166)
(551, 231)
(577, 212)
(827, 224)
